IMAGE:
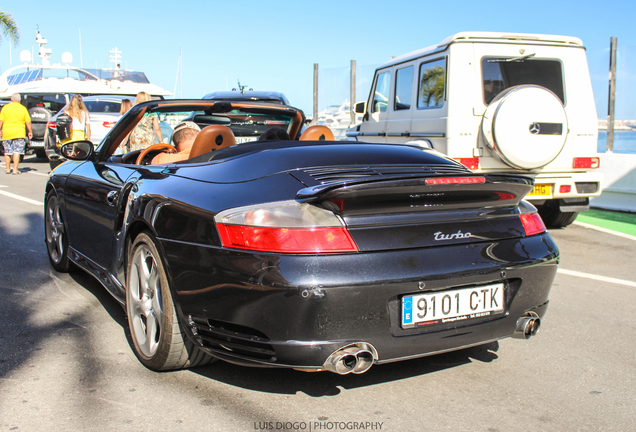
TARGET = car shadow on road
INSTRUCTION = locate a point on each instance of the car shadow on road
(318, 384)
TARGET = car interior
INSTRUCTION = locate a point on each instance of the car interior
(223, 125)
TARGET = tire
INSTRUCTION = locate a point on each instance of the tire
(156, 336)
(553, 217)
(55, 234)
(40, 153)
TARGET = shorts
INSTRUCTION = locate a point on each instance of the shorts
(14, 146)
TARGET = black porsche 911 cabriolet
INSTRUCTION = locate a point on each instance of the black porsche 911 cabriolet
(303, 252)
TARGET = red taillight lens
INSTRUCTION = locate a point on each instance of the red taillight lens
(455, 180)
(108, 124)
(284, 227)
(532, 223)
(287, 240)
(51, 124)
(586, 162)
(565, 189)
(470, 163)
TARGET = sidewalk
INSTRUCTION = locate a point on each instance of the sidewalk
(616, 221)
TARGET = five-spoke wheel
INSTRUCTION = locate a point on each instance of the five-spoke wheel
(55, 234)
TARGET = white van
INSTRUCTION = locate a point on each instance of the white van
(497, 102)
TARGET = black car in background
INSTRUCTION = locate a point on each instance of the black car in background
(313, 255)
(249, 95)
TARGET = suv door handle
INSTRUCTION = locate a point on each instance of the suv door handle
(111, 198)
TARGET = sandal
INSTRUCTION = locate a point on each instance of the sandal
(7, 171)
(17, 172)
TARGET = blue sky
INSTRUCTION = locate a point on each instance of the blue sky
(272, 45)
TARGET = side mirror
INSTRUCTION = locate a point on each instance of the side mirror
(77, 150)
(361, 107)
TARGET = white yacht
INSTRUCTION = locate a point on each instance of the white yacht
(45, 87)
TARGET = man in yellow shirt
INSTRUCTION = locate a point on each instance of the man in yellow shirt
(13, 118)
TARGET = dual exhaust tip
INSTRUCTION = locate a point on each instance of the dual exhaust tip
(527, 326)
(356, 358)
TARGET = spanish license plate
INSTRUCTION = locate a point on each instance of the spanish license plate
(37, 144)
(541, 190)
(453, 305)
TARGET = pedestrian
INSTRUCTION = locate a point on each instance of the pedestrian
(143, 135)
(126, 104)
(13, 119)
(81, 128)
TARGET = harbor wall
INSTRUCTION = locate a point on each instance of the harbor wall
(619, 184)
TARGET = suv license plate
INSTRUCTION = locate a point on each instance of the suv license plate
(453, 305)
(541, 190)
(37, 144)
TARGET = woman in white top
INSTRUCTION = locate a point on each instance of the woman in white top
(81, 120)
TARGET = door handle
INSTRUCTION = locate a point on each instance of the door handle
(111, 198)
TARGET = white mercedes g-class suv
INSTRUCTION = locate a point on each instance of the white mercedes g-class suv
(497, 102)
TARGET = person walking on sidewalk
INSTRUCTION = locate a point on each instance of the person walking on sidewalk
(13, 119)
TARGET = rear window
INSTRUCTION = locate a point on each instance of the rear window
(500, 73)
(102, 106)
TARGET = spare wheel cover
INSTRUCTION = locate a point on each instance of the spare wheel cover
(526, 126)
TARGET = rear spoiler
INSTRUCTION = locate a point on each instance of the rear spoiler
(506, 187)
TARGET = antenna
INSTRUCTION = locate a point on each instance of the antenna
(80, 41)
(179, 75)
(114, 58)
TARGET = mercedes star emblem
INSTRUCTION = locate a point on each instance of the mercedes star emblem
(535, 128)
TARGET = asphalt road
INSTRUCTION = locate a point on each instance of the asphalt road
(66, 364)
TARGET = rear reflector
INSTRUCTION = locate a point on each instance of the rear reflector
(108, 124)
(586, 162)
(287, 240)
(470, 163)
(532, 223)
(565, 189)
(51, 125)
(455, 180)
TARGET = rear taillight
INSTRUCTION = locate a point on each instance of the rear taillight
(51, 124)
(586, 162)
(532, 223)
(454, 180)
(108, 124)
(470, 163)
(284, 227)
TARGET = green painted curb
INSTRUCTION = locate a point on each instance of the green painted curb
(616, 221)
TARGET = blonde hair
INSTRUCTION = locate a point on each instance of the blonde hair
(76, 107)
(142, 97)
(126, 104)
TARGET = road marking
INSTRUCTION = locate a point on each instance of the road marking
(36, 173)
(605, 230)
(597, 277)
(21, 198)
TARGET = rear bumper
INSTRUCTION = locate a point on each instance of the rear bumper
(294, 311)
(569, 185)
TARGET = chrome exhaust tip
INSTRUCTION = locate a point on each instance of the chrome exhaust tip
(527, 326)
(355, 358)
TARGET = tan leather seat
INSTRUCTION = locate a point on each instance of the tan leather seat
(211, 138)
(317, 133)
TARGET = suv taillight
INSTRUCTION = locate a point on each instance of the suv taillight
(51, 124)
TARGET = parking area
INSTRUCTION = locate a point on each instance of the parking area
(66, 364)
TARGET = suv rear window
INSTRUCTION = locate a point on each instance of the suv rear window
(500, 73)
